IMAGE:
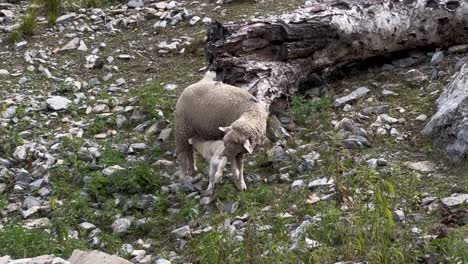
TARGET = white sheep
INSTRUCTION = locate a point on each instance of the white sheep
(214, 111)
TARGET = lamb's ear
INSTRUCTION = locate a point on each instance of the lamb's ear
(248, 147)
(225, 129)
(190, 141)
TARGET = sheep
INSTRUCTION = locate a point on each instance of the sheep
(213, 111)
(212, 151)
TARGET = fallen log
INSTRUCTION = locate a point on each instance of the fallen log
(272, 57)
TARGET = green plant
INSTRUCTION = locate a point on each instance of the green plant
(18, 242)
(306, 112)
(52, 9)
(139, 178)
(27, 26)
(153, 98)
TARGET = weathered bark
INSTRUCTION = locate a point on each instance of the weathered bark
(273, 56)
(449, 125)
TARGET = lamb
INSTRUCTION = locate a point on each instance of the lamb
(212, 151)
(213, 111)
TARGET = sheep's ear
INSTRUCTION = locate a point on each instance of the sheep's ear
(190, 141)
(225, 129)
(248, 147)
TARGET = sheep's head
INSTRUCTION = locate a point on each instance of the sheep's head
(235, 141)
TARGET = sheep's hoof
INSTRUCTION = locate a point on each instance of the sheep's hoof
(242, 186)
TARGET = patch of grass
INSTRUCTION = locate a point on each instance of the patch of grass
(453, 247)
(153, 98)
(18, 242)
(27, 27)
(8, 142)
(139, 178)
(110, 157)
(189, 209)
(306, 112)
(100, 125)
(52, 9)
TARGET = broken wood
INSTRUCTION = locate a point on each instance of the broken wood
(272, 57)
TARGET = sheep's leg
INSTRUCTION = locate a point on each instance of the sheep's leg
(221, 163)
(235, 169)
(212, 176)
(184, 149)
(240, 167)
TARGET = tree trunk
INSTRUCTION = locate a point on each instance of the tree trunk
(272, 57)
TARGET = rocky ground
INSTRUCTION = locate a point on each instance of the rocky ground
(87, 150)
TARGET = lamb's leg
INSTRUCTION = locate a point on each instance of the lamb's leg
(184, 149)
(220, 164)
(212, 177)
(240, 166)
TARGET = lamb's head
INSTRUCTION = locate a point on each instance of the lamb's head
(235, 141)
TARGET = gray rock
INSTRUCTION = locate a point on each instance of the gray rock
(121, 225)
(45, 259)
(448, 127)
(135, 3)
(455, 199)
(31, 201)
(65, 18)
(93, 257)
(415, 76)
(165, 134)
(87, 226)
(5, 260)
(376, 110)
(20, 153)
(194, 20)
(422, 166)
(275, 129)
(297, 185)
(421, 118)
(182, 232)
(358, 93)
(460, 63)
(111, 170)
(322, 182)
(229, 207)
(10, 112)
(162, 261)
(437, 58)
(4, 72)
(310, 159)
(405, 62)
(399, 215)
(355, 142)
(205, 200)
(57, 103)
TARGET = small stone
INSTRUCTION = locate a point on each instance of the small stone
(87, 226)
(398, 215)
(297, 185)
(57, 103)
(31, 201)
(455, 199)
(165, 134)
(121, 225)
(182, 232)
(404, 63)
(320, 183)
(437, 58)
(421, 118)
(194, 20)
(416, 76)
(422, 166)
(206, 20)
(205, 200)
(4, 72)
(311, 244)
(111, 170)
(135, 3)
(162, 261)
(347, 108)
(358, 93)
